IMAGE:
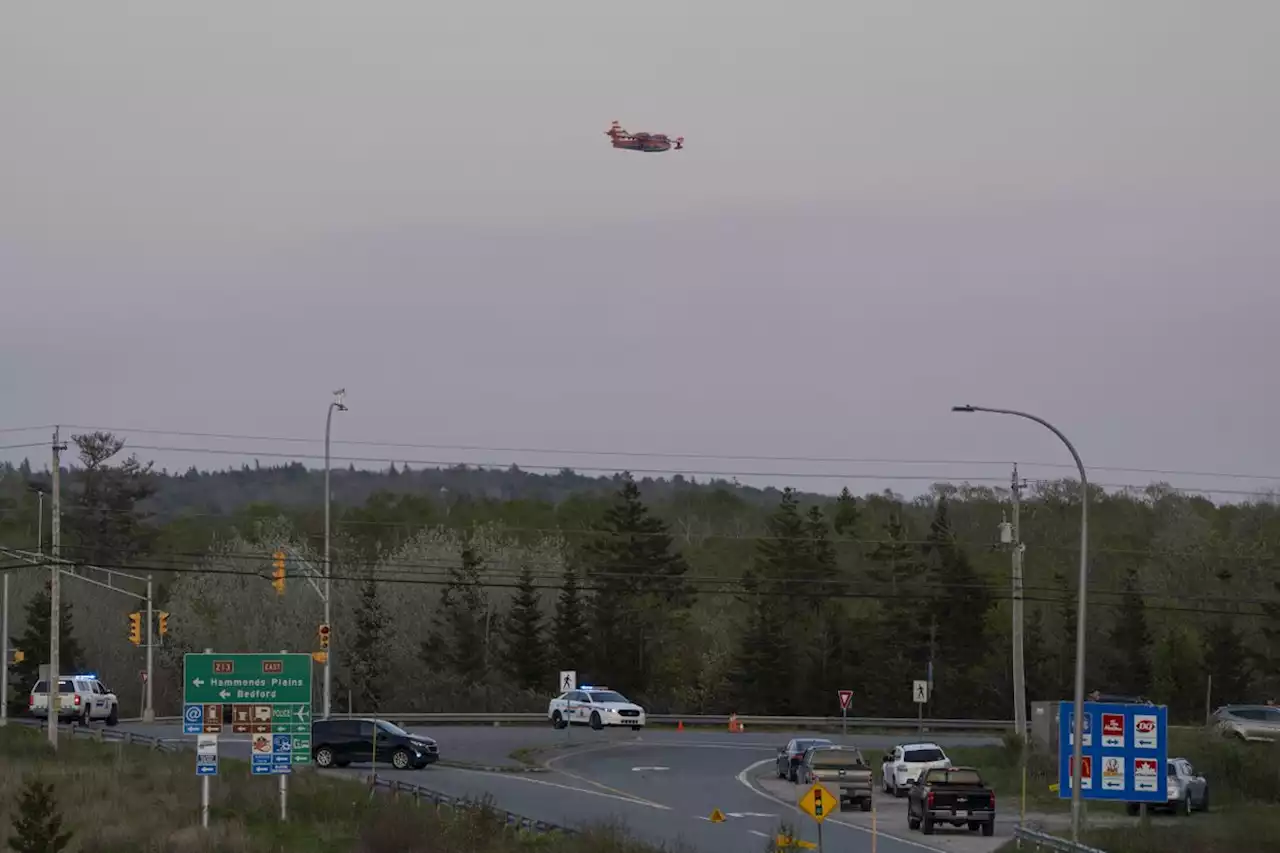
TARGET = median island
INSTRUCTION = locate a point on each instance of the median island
(116, 796)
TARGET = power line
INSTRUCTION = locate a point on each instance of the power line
(669, 454)
(26, 428)
(19, 446)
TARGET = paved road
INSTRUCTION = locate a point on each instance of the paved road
(613, 776)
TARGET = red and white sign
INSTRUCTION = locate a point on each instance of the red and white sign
(846, 696)
(1112, 773)
(1145, 777)
(1086, 772)
(142, 676)
(1145, 733)
(1113, 730)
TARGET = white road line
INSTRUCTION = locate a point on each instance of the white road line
(519, 778)
(759, 833)
(743, 777)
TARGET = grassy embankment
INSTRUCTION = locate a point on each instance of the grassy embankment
(1244, 785)
(116, 797)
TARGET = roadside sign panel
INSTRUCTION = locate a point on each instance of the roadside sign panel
(207, 755)
(1126, 763)
(1088, 728)
(818, 802)
(267, 696)
(568, 680)
(846, 696)
(920, 692)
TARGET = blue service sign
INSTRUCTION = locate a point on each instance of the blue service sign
(193, 720)
(281, 743)
(1123, 759)
(261, 769)
(207, 769)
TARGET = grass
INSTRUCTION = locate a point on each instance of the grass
(1241, 829)
(116, 797)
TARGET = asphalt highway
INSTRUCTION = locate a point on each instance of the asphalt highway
(662, 785)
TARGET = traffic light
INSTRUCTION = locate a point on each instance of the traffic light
(19, 655)
(164, 623)
(135, 628)
(323, 632)
(277, 574)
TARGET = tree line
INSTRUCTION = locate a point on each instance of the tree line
(689, 598)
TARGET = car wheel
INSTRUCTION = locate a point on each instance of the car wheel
(400, 759)
(794, 775)
(926, 825)
(85, 719)
(1204, 801)
(913, 823)
(989, 828)
(113, 718)
(324, 757)
(1186, 804)
(865, 804)
(782, 774)
(636, 728)
(596, 722)
(557, 721)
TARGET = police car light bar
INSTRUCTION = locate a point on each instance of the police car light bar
(86, 675)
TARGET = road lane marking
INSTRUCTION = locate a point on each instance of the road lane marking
(744, 778)
(615, 795)
(759, 833)
(643, 769)
(615, 791)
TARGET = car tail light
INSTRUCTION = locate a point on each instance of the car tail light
(929, 800)
(77, 698)
(993, 800)
(31, 701)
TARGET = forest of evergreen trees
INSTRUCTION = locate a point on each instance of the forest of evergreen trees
(688, 597)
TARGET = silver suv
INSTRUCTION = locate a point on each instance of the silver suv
(1247, 722)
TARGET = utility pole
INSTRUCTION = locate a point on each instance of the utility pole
(338, 404)
(1019, 662)
(55, 590)
(149, 710)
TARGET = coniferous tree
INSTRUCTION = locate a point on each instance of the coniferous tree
(526, 660)
(34, 644)
(639, 588)
(457, 642)
(1226, 661)
(106, 523)
(1127, 665)
(823, 570)
(845, 521)
(894, 560)
(569, 625)
(763, 650)
(369, 665)
(38, 825)
(1066, 616)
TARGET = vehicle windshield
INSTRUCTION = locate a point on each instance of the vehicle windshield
(806, 745)
(601, 696)
(923, 756)
(392, 728)
(837, 758)
(1170, 768)
(955, 777)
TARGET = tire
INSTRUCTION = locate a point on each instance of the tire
(794, 775)
(1184, 808)
(85, 719)
(400, 759)
(865, 804)
(912, 823)
(926, 825)
(323, 757)
(558, 721)
(782, 774)
(1204, 803)
(596, 723)
(989, 827)
(636, 728)
(113, 719)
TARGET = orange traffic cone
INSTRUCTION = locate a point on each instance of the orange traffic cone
(680, 725)
(733, 722)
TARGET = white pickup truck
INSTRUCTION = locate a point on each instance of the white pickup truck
(80, 697)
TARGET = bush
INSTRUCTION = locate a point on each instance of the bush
(1237, 771)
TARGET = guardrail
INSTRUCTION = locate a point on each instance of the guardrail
(104, 735)
(720, 720)
(1044, 841)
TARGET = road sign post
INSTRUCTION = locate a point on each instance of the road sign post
(269, 699)
(567, 681)
(1124, 752)
(920, 695)
(817, 802)
(846, 697)
(206, 766)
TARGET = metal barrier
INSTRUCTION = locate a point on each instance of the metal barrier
(691, 720)
(1043, 841)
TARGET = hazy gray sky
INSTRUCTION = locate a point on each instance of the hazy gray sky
(211, 215)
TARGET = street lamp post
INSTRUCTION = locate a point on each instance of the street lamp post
(1081, 607)
(328, 595)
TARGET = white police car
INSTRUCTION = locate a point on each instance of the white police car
(81, 698)
(596, 706)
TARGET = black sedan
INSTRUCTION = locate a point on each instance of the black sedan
(790, 756)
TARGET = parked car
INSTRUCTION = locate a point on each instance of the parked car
(790, 756)
(1247, 722)
(906, 762)
(955, 795)
(365, 741)
(1185, 791)
(840, 767)
(81, 698)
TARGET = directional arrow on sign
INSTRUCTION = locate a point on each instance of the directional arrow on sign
(302, 712)
(198, 682)
(224, 694)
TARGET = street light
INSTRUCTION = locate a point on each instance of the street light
(336, 403)
(1081, 606)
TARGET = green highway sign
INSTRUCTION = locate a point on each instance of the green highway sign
(266, 696)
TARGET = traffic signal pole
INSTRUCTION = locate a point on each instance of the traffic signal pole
(148, 709)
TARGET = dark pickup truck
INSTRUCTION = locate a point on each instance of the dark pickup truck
(954, 795)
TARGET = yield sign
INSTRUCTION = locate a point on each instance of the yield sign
(846, 696)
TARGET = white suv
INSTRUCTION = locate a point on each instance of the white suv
(597, 706)
(80, 697)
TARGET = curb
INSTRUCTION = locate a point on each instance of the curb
(489, 768)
